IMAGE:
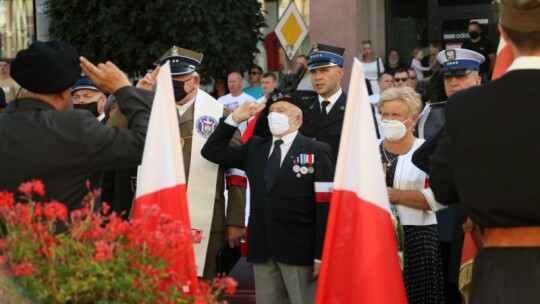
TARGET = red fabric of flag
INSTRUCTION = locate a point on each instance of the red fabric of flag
(505, 57)
(161, 179)
(360, 257)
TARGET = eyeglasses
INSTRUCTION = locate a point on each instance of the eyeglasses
(254, 73)
(401, 79)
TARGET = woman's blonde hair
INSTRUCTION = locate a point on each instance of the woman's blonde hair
(372, 51)
(410, 98)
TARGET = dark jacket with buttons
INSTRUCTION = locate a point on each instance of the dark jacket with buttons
(288, 221)
(329, 129)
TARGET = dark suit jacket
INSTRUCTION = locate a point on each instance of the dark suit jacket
(329, 130)
(64, 148)
(488, 157)
(433, 123)
(285, 222)
(421, 156)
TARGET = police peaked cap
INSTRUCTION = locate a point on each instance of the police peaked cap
(323, 55)
(459, 62)
(84, 83)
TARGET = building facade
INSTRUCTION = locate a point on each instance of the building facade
(401, 24)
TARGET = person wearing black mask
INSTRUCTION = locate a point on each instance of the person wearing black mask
(199, 114)
(481, 45)
(88, 97)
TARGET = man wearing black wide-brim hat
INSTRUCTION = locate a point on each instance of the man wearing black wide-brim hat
(325, 112)
(291, 179)
(44, 138)
(487, 162)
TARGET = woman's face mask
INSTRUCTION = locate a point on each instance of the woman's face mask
(394, 129)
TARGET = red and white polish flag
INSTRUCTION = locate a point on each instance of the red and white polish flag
(161, 179)
(360, 257)
(505, 57)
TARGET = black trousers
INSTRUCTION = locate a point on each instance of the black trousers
(506, 276)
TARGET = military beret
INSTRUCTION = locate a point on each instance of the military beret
(459, 62)
(46, 67)
(325, 56)
(280, 95)
(520, 15)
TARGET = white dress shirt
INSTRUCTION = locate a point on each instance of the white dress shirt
(285, 146)
(333, 99)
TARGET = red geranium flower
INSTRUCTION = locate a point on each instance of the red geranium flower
(31, 187)
(98, 255)
(6, 199)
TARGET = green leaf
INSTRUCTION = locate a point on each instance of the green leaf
(133, 33)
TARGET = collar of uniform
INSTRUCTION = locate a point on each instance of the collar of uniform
(333, 99)
(27, 103)
(183, 108)
(287, 139)
(525, 63)
(101, 117)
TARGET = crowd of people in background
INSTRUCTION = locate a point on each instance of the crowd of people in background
(271, 128)
(399, 93)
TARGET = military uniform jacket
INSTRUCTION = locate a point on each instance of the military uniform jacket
(65, 148)
(329, 130)
(288, 221)
(236, 207)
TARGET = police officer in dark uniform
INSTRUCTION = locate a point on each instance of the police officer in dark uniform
(325, 112)
(493, 172)
(431, 120)
(460, 70)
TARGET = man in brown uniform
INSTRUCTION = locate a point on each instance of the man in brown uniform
(198, 116)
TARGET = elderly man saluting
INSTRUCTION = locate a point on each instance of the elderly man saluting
(291, 180)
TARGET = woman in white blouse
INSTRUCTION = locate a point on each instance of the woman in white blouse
(411, 196)
(373, 66)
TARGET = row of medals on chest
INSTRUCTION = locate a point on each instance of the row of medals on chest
(303, 164)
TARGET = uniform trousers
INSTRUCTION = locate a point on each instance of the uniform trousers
(214, 244)
(278, 283)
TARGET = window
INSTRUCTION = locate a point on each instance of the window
(16, 26)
